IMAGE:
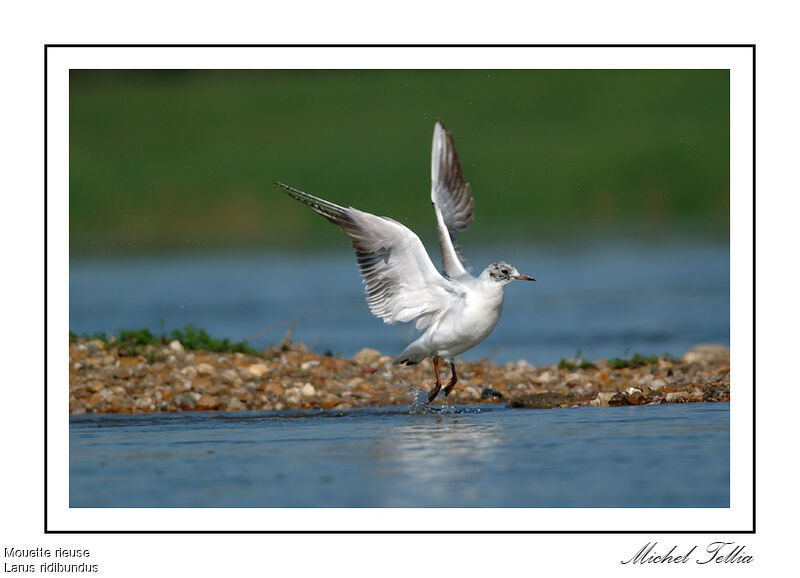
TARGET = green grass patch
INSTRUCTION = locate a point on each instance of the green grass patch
(194, 338)
(143, 342)
(99, 335)
(636, 360)
(577, 362)
(139, 337)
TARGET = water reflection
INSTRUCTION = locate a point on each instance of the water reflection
(672, 455)
(435, 463)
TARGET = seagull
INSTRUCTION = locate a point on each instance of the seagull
(455, 311)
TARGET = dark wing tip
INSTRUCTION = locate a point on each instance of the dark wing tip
(285, 186)
(457, 205)
(331, 211)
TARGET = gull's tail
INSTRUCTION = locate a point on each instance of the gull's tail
(411, 355)
(404, 361)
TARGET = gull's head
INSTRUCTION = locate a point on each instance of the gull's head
(503, 273)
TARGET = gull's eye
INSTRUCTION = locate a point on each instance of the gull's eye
(504, 271)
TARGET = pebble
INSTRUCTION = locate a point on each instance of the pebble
(354, 382)
(201, 383)
(230, 376)
(292, 396)
(275, 388)
(103, 378)
(547, 377)
(469, 393)
(176, 346)
(123, 372)
(677, 397)
(602, 398)
(489, 393)
(185, 402)
(329, 401)
(367, 356)
(635, 396)
(707, 352)
(540, 400)
(144, 402)
(619, 398)
(236, 404)
(206, 369)
(258, 370)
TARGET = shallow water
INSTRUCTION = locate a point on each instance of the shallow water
(604, 299)
(669, 455)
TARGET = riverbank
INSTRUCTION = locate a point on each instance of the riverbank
(107, 377)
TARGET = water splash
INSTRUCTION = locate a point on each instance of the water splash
(419, 401)
(448, 409)
(419, 405)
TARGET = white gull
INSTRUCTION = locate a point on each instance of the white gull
(454, 312)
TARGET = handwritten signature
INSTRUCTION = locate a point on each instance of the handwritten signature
(715, 552)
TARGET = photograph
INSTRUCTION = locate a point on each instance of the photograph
(399, 288)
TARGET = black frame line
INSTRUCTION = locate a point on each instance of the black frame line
(399, 46)
(45, 289)
(750, 531)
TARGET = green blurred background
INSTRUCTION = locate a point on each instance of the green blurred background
(171, 160)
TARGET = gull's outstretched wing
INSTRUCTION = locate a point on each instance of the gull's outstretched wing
(401, 282)
(451, 196)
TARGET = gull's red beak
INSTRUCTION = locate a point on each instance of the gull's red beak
(523, 278)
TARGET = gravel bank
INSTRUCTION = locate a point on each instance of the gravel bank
(105, 378)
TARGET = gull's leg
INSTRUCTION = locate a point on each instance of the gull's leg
(453, 379)
(438, 385)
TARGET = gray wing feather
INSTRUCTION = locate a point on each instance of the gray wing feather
(401, 282)
(450, 192)
(451, 196)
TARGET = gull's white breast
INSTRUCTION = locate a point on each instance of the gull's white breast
(468, 321)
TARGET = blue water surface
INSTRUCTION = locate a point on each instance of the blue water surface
(607, 299)
(669, 455)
